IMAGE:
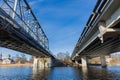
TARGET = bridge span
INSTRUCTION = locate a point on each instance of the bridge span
(101, 35)
(21, 31)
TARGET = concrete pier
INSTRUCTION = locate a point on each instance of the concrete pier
(35, 62)
(103, 61)
(42, 62)
(84, 61)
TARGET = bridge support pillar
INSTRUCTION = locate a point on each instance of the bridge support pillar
(35, 62)
(84, 61)
(42, 62)
(103, 61)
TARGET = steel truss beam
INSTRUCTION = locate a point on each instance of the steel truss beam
(20, 11)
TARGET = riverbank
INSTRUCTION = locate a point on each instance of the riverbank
(15, 65)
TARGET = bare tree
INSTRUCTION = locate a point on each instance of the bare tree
(17, 58)
(23, 59)
(65, 57)
(31, 59)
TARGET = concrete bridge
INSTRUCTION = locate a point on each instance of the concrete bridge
(21, 31)
(101, 35)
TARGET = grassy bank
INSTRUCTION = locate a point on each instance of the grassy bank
(15, 65)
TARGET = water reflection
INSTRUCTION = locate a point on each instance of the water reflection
(109, 73)
(15, 73)
(40, 74)
(84, 73)
(70, 73)
(64, 73)
(60, 73)
(57, 73)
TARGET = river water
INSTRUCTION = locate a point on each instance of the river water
(60, 73)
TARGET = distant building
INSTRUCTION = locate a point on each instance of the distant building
(8, 60)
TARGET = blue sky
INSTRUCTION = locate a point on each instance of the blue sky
(62, 21)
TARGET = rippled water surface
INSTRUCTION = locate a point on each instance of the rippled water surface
(60, 73)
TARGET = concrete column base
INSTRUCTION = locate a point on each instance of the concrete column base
(103, 61)
(42, 62)
(35, 63)
(77, 64)
(84, 61)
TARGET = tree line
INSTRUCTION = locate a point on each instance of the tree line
(22, 59)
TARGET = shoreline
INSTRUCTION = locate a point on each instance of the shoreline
(30, 65)
(15, 65)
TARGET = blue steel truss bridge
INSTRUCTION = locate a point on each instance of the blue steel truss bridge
(20, 29)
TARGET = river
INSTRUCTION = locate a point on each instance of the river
(60, 73)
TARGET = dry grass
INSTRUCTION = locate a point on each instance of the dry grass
(15, 65)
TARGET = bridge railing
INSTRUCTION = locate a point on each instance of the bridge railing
(20, 11)
(98, 9)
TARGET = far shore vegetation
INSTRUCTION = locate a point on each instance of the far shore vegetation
(22, 60)
(17, 60)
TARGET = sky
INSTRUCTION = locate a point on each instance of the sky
(62, 21)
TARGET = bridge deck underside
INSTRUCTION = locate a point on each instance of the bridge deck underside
(109, 46)
(12, 38)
